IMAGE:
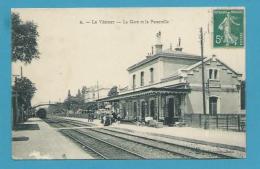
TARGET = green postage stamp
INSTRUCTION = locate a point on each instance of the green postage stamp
(228, 28)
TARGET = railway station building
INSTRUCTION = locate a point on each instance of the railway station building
(167, 86)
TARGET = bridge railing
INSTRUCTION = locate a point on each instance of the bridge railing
(44, 104)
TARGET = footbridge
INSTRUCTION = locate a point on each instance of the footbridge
(45, 104)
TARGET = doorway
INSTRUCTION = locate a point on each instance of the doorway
(142, 110)
(124, 111)
(213, 106)
(152, 108)
(170, 111)
(135, 109)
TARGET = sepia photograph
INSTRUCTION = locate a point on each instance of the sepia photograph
(128, 83)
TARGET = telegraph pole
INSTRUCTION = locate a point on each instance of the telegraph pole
(202, 65)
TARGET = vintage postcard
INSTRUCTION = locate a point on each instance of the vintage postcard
(128, 83)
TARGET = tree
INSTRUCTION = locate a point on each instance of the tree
(74, 102)
(67, 102)
(113, 91)
(84, 90)
(69, 95)
(79, 94)
(24, 40)
(25, 90)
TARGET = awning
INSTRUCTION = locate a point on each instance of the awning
(149, 91)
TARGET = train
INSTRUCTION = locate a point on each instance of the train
(41, 113)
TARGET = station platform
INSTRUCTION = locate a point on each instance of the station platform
(35, 139)
(210, 136)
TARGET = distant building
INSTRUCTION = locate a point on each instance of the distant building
(94, 93)
(167, 84)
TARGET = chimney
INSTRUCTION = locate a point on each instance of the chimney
(158, 48)
(214, 57)
(148, 55)
(158, 45)
(179, 48)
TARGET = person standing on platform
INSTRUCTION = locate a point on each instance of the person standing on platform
(88, 116)
(118, 118)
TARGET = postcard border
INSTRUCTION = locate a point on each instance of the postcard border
(252, 96)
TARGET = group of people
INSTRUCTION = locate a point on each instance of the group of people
(110, 118)
(90, 117)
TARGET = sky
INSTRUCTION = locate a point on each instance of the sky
(74, 53)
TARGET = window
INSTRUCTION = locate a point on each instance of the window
(151, 75)
(135, 108)
(213, 74)
(210, 73)
(134, 81)
(142, 79)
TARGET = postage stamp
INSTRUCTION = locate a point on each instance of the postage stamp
(228, 28)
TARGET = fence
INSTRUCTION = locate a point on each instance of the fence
(235, 122)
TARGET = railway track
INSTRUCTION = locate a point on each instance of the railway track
(148, 152)
(78, 123)
(101, 148)
(58, 123)
(98, 148)
(209, 151)
(170, 150)
(144, 147)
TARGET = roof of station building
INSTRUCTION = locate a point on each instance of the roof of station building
(168, 53)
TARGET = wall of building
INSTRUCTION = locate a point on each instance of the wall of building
(172, 65)
(225, 76)
(163, 68)
(227, 106)
(93, 93)
(155, 64)
(194, 102)
(225, 88)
